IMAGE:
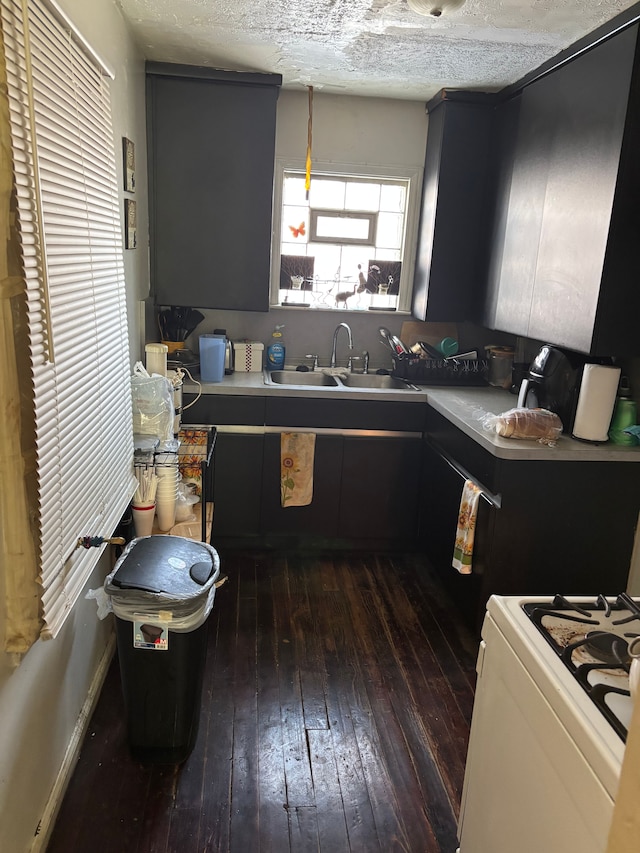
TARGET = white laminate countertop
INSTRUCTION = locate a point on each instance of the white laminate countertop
(462, 406)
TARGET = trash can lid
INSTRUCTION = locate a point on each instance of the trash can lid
(165, 564)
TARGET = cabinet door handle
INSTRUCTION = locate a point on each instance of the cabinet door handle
(494, 499)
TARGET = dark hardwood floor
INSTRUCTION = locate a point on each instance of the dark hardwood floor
(335, 714)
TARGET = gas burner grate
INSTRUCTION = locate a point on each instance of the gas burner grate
(603, 649)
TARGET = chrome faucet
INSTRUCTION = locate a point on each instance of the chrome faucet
(332, 363)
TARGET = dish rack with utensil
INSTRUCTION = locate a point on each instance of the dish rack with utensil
(440, 371)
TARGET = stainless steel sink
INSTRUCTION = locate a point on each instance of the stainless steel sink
(297, 377)
(373, 380)
(342, 382)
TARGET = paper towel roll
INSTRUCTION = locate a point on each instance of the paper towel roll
(595, 402)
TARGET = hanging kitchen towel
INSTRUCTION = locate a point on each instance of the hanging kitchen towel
(465, 532)
(297, 451)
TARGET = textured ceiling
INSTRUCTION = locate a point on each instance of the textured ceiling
(366, 47)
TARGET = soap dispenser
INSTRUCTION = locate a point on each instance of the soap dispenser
(276, 350)
(624, 415)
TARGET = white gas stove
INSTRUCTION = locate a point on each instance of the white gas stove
(550, 718)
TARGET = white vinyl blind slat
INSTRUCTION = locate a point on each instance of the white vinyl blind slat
(82, 400)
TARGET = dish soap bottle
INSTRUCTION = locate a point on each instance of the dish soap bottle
(276, 350)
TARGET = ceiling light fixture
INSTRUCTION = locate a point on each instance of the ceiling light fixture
(434, 8)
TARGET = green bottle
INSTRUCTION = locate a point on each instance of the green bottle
(625, 414)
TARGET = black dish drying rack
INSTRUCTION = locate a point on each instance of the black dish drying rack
(440, 371)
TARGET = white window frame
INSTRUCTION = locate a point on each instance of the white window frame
(70, 221)
(412, 174)
(370, 218)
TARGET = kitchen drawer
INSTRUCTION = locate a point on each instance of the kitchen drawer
(344, 414)
(463, 450)
(220, 410)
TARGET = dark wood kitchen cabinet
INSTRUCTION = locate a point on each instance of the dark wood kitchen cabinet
(317, 522)
(549, 527)
(211, 145)
(236, 472)
(454, 223)
(380, 488)
(366, 471)
(365, 476)
(565, 261)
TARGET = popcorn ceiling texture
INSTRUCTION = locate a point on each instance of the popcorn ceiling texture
(377, 48)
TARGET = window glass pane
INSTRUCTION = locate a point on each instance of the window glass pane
(392, 198)
(352, 257)
(294, 224)
(294, 191)
(342, 227)
(327, 194)
(327, 262)
(294, 248)
(390, 228)
(362, 196)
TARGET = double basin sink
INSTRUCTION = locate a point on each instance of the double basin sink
(340, 381)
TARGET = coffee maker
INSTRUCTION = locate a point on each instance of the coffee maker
(553, 382)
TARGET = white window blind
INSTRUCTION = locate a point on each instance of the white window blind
(69, 221)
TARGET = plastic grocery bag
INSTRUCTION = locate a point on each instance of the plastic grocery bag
(152, 402)
(539, 425)
(183, 613)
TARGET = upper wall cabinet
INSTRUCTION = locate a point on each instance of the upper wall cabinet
(453, 237)
(565, 263)
(211, 140)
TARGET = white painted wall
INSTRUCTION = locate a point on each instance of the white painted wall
(40, 701)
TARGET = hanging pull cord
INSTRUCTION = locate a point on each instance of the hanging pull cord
(307, 180)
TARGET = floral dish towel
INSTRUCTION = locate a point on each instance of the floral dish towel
(297, 451)
(465, 533)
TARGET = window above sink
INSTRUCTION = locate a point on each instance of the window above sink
(350, 244)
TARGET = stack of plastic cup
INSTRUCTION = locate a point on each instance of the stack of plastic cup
(143, 515)
(167, 491)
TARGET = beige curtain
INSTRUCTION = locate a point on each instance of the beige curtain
(18, 543)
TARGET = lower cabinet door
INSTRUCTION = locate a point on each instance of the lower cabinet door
(237, 485)
(380, 489)
(319, 519)
(441, 493)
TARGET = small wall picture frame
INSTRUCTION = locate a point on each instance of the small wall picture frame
(129, 158)
(130, 224)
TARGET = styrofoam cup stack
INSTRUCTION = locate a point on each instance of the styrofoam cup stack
(166, 496)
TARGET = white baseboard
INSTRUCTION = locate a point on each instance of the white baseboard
(54, 802)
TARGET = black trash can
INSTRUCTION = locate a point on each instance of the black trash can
(162, 590)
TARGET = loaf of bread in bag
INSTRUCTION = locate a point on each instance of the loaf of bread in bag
(536, 424)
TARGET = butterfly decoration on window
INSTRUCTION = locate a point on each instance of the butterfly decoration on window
(299, 231)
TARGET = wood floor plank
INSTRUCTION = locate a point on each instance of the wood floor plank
(308, 645)
(273, 820)
(332, 829)
(375, 639)
(294, 741)
(218, 692)
(432, 702)
(346, 691)
(244, 830)
(303, 829)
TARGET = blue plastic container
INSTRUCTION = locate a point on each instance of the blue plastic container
(212, 351)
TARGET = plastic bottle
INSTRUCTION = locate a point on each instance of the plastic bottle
(624, 415)
(276, 350)
(156, 358)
